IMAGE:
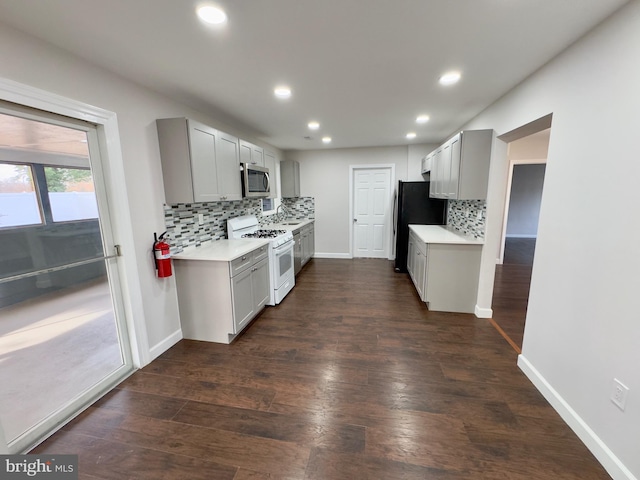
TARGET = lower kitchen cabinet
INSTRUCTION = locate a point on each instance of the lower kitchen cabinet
(304, 247)
(218, 299)
(417, 263)
(445, 274)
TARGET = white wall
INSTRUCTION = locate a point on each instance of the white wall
(324, 175)
(40, 65)
(582, 326)
(531, 147)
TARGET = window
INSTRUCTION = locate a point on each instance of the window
(45, 174)
(19, 204)
(267, 204)
(71, 194)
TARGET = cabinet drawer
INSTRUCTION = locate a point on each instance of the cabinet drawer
(260, 253)
(240, 264)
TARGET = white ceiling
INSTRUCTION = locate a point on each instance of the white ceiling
(363, 68)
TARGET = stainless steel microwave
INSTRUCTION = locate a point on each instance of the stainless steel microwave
(255, 181)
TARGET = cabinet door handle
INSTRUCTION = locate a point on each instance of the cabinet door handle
(244, 258)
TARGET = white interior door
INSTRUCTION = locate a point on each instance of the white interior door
(371, 212)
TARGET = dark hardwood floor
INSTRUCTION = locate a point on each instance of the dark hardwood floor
(511, 288)
(349, 378)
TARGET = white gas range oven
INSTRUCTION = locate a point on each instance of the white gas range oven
(280, 253)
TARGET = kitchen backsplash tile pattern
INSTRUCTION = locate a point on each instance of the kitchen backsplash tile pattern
(184, 229)
(467, 216)
(301, 208)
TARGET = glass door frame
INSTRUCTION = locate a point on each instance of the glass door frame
(104, 143)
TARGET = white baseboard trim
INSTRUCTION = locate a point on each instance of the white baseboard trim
(333, 255)
(164, 345)
(483, 312)
(603, 454)
(517, 235)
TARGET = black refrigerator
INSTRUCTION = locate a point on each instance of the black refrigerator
(413, 206)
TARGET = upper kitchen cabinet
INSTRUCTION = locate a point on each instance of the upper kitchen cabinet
(228, 166)
(270, 163)
(250, 153)
(460, 167)
(199, 163)
(290, 178)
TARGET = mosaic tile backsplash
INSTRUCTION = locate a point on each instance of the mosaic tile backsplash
(302, 208)
(467, 216)
(183, 229)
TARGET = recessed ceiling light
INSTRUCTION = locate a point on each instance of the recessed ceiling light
(282, 92)
(313, 125)
(422, 119)
(326, 139)
(411, 135)
(450, 78)
(212, 15)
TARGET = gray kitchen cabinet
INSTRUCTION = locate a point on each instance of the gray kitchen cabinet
(435, 187)
(426, 163)
(297, 251)
(228, 167)
(270, 163)
(304, 248)
(199, 163)
(250, 153)
(290, 178)
(445, 275)
(417, 263)
(250, 293)
(218, 299)
(460, 167)
(308, 243)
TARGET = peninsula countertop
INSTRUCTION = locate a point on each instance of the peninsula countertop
(443, 234)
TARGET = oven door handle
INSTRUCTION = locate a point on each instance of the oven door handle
(284, 247)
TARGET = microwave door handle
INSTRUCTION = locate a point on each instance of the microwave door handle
(267, 181)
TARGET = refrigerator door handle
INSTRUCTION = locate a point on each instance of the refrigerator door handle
(395, 212)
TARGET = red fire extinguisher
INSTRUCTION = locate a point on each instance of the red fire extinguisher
(162, 256)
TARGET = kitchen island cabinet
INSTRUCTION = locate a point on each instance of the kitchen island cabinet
(444, 267)
(221, 288)
(199, 163)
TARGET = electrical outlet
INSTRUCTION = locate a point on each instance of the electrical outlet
(200, 219)
(619, 395)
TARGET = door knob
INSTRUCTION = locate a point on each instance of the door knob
(355, 219)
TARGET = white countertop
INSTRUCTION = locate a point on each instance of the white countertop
(221, 250)
(443, 234)
(286, 225)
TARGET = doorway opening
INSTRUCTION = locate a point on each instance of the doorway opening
(63, 337)
(527, 158)
(371, 198)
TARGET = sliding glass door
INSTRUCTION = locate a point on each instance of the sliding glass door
(62, 335)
